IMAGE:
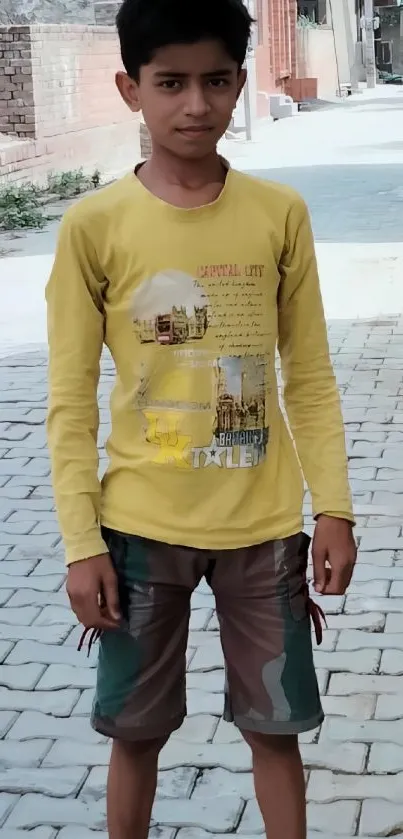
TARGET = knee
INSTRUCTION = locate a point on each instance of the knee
(266, 745)
(141, 750)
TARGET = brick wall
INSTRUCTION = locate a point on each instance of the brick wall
(64, 99)
(16, 83)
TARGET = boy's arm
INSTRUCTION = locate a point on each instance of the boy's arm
(310, 391)
(75, 333)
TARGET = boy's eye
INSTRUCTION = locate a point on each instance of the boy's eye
(218, 82)
(171, 84)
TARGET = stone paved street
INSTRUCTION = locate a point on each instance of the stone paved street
(52, 766)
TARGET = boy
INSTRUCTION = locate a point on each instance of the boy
(191, 273)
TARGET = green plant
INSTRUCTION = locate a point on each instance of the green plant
(20, 207)
(70, 184)
(305, 22)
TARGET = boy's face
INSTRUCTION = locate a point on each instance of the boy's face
(187, 95)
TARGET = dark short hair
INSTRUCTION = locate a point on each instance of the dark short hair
(145, 26)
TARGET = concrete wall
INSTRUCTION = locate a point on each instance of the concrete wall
(76, 116)
(46, 11)
(105, 12)
(316, 59)
(341, 14)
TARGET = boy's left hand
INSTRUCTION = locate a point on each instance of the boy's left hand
(334, 554)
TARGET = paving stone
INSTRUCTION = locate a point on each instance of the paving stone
(347, 757)
(22, 616)
(202, 601)
(16, 755)
(38, 833)
(226, 732)
(392, 662)
(22, 528)
(251, 821)
(202, 702)
(10, 539)
(84, 704)
(5, 595)
(59, 676)
(373, 621)
(34, 633)
(57, 783)
(65, 753)
(35, 810)
(212, 682)
(329, 640)
(374, 588)
(360, 707)
(38, 598)
(326, 787)
(331, 605)
(394, 623)
(7, 802)
(235, 757)
(58, 703)
(197, 729)
(5, 648)
(367, 731)
(30, 651)
(32, 725)
(83, 833)
(50, 566)
(364, 661)
(385, 758)
(389, 707)
(322, 679)
(381, 818)
(198, 812)
(345, 684)
(356, 640)
(6, 468)
(18, 567)
(175, 783)
(396, 589)
(217, 782)
(209, 657)
(7, 718)
(36, 583)
(29, 552)
(24, 677)
(383, 538)
(55, 614)
(341, 815)
(356, 605)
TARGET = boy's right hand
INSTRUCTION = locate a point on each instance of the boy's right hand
(92, 587)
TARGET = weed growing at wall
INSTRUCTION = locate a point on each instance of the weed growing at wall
(70, 184)
(20, 207)
(24, 206)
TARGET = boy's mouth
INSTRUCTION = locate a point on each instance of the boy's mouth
(195, 131)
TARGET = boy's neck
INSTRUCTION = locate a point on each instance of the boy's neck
(170, 177)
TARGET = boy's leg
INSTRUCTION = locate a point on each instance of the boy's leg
(262, 604)
(140, 698)
(132, 782)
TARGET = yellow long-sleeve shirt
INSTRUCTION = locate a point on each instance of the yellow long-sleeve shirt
(192, 304)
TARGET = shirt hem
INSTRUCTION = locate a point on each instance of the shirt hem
(217, 540)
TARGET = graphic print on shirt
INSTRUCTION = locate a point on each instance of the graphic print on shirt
(201, 382)
(162, 316)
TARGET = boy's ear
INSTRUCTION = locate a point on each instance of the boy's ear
(243, 74)
(129, 91)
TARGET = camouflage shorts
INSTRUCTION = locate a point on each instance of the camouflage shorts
(263, 610)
